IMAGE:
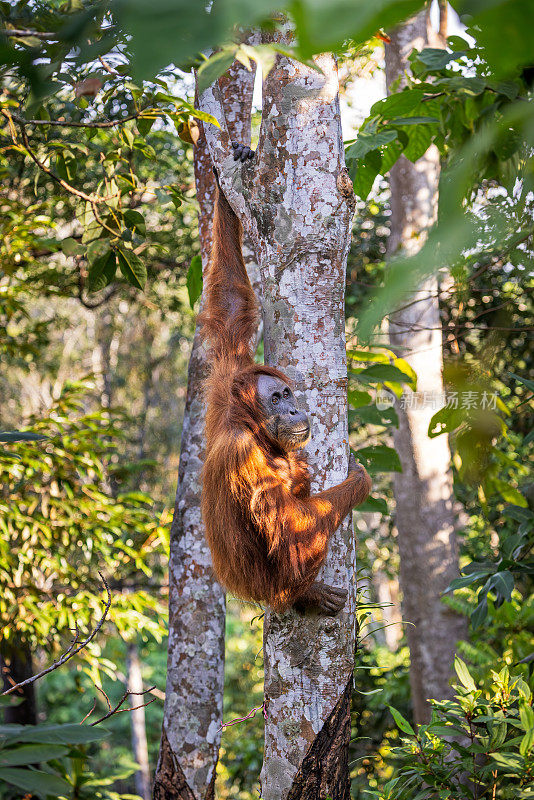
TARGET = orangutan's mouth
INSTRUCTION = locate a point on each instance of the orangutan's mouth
(302, 431)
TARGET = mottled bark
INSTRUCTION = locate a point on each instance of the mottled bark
(423, 491)
(296, 201)
(16, 666)
(323, 773)
(195, 667)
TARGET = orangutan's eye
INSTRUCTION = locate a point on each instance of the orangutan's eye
(286, 392)
(275, 399)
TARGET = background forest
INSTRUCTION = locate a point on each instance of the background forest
(100, 279)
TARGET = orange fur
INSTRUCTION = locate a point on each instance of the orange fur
(267, 535)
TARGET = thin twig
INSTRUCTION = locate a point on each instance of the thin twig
(24, 32)
(60, 123)
(77, 192)
(455, 327)
(118, 709)
(105, 696)
(89, 712)
(107, 67)
(71, 651)
(91, 199)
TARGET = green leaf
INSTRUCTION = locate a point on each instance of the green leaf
(510, 761)
(31, 754)
(102, 271)
(410, 373)
(36, 781)
(363, 177)
(390, 155)
(127, 136)
(135, 221)
(519, 513)
(499, 22)
(368, 141)
(380, 373)
(71, 247)
(401, 722)
(144, 124)
(194, 280)
(527, 742)
(358, 399)
(380, 458)
(374, 504)
(436, 59)
(214, 67)
(21, 436)
(263, 54)
(480, 613)
(398, 104)
(463, 674)
(465, 580)
(526, 715)
(509, 492)
(419, 140)
(409, 121)
(525, 381)
(503, 582)
(67, 734)
(372, 415)
(323, 27)
(66, 166)
(370, 355)
(446, 420)
(132, 268)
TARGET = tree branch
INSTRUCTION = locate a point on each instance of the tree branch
(94, 201)
(36, 34)
(71, 651)
(64, 124)
(118, 709)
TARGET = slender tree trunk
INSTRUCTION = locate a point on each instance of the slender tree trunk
(16, 664)
(296, 200)
(195, 667)
(137, 722)
(423, 490)
(104, 334)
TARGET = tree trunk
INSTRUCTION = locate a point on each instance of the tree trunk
(195, 667)
(17, 665)
(137, 722)
(296, 200)
(423, 490)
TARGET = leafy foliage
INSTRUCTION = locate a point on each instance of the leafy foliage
(61, 523)
(386, 375)
(477, 745)
(64, 103)
(482, 127)
(51, 762)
